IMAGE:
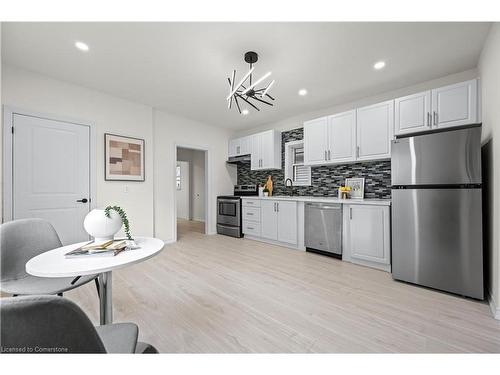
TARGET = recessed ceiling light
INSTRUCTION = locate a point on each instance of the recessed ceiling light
(81, 46)
(379, 65)
(302, 92)
(244, 112)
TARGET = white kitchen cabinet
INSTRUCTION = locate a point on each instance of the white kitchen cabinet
(279, 221)
(342, 137)
(233, 146)
(375, 127)
(455, 105)
(316, 141)
(265, 150)
(412, 113)
(367, 235)
(287, 221)
(268, 219)
(239, 146)
(444, 107)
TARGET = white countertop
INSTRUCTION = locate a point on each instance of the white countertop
(377, 202)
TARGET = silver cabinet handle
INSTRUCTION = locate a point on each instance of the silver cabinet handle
(350, 213)
(325, 155)
(357, 151)
(238, 149)
(277, 207)
(428, 119)
(435, 118)
(329, 157)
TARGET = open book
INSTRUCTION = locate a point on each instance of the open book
(108, 248)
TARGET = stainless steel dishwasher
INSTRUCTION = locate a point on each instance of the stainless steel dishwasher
(323, 228)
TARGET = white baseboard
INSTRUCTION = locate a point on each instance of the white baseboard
(167, 242)
(495, 308)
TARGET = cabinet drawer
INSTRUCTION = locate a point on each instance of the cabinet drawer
(251, 228)
(251, 214)
(251, 202)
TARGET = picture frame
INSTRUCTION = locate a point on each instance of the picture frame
(358, 187)
(124, 158)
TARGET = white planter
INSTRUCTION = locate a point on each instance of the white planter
(101, 227)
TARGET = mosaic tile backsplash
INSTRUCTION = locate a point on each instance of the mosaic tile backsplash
(324, 179)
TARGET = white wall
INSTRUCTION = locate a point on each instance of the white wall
(489, 70)
(31, 91)
(297, 121)
(169, 131)
(196, 159)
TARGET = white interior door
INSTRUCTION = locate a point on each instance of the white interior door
(182, 193)
(51, 174)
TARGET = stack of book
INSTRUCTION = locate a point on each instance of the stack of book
(107, 248)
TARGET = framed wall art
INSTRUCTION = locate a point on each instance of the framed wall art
(358, 187)
(123, 158)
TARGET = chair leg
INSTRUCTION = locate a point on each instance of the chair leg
(60, 294)
(97, 286)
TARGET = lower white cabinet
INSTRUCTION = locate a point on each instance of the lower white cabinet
(279, 221)
(367, 235)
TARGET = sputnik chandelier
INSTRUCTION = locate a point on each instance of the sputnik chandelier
(249, 93)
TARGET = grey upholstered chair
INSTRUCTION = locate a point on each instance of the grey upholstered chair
(21, 240)
(51, 324)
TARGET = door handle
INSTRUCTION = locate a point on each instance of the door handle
(84, 200)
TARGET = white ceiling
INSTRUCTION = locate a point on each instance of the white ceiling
(183, 67)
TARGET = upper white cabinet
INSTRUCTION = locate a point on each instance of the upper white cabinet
(455, 105)
(375, 124)
(266, 150)
(342, 137)
(367, 235)
(239, 146)
(447, 106)
(316, 141)
(330, 139)
(413, 113)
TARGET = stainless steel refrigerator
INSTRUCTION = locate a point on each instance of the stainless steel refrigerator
(436, 211)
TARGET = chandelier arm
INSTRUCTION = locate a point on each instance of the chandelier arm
(240, 96)
(230, 89)
(269, 96)
(237, 104)
(263, 101)
(240, 83)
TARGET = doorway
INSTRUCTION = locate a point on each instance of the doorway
(47, 172)
(190, 184)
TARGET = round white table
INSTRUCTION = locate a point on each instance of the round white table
(53, 264)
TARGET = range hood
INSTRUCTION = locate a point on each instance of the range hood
(238, 159)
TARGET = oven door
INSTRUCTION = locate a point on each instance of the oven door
(228, 211)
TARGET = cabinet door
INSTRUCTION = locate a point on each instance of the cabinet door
(287, 222)
(342, 137)
(245, 145)
(375, 125)
(316, 141)
(455, 105)
(255, 154)
(233, 147)
(369, 233)
(268, 219)
(412, 113)
(267, 149)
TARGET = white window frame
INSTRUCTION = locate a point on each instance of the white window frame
(289, 162)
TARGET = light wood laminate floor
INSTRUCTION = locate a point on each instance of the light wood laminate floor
(217, 294)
